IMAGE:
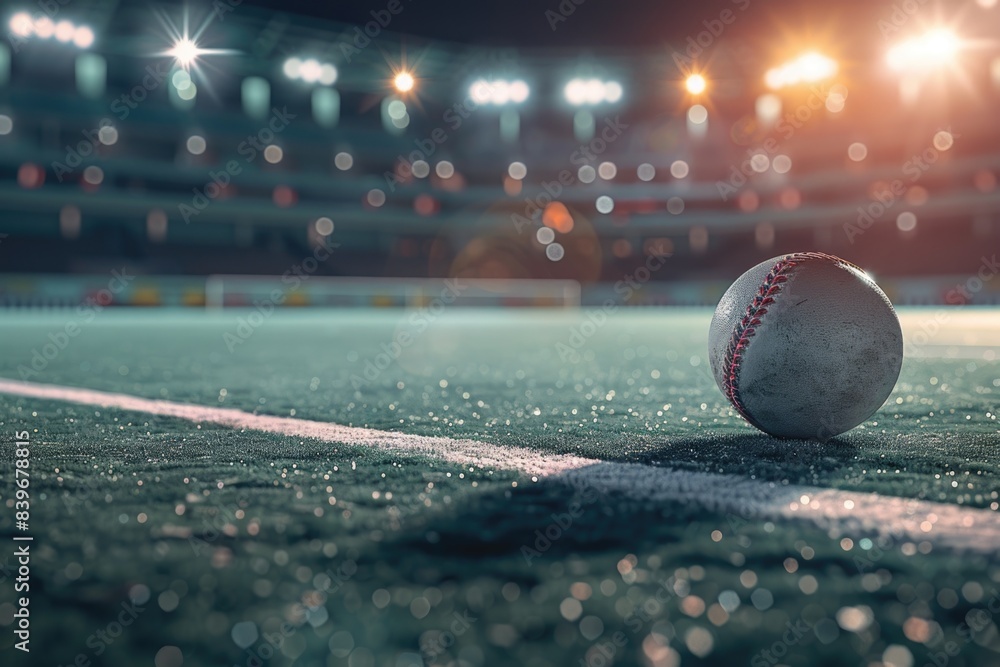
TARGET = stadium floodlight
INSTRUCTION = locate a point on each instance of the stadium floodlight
(500, 95)
(23, 26)
(807, 68)
(184, 41)
(593, 91)
(580, 92)
(310, 70)
(83, 37)
(499, 92)
(479, 91)
(327, 74)
(695, 84)
(574, 92)
(928, 51)
(519, 91)
(45, 28)
(64, 31)
(612, 91)
(185, 52)
(292, 67)
(404, 82)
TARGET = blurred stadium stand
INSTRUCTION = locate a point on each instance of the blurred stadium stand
(93, 178)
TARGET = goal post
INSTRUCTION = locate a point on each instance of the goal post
(242, 291)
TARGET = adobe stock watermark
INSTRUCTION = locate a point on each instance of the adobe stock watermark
(86, 147)
(963, 293)
(222, 7)
(598, 317)
(215, 523)
(454, 118)
(125, 104)
(697, 44)
(602, 652)
(248, 149)
(434, 644)
(883, 200)
(264, 308)
(548, 535)
(102, 638)
(561, 13)
(362, 37)
(121, 107)
(772, 655)
(900, 15)
(880, 546)
(419, 320)
(976, 621)
(86, 312)
(325, 584)
(585, 154)
(786, 127)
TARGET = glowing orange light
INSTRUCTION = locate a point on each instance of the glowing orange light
(558, 217)
(807, 68)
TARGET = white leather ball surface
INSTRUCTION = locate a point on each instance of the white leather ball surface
(805, 346)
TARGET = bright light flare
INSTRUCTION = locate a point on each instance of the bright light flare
(185, 49)
(696, 84)
(926, 52)
(403, 82)
(807, 68)
(185, 52)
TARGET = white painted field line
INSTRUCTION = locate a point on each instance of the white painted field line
(846, 512)
(465, 452)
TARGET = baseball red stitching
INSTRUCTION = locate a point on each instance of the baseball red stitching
(747, 327)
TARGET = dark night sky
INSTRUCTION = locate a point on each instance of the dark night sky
(594, 23)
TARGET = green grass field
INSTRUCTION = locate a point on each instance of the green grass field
(244, 547)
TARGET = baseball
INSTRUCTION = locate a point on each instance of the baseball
(805, 346)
